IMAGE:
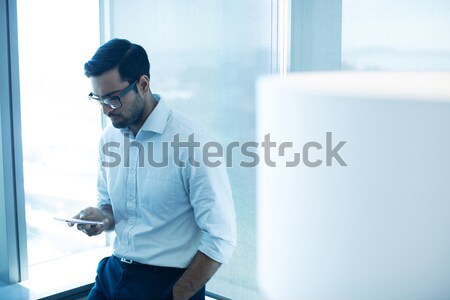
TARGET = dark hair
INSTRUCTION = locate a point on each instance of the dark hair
(130, 59)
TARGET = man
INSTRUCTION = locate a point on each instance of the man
(173, 216)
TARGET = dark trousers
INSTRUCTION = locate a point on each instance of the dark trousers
(118, 280)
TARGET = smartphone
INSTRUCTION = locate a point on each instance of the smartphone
(79, 221)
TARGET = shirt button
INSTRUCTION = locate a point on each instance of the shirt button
(132, 170)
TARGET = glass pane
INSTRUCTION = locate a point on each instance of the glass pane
(400, 35)
(60, 127)
(205, 57)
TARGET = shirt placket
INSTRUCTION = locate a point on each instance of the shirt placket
(131, 188)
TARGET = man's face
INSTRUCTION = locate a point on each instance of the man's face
(110, 84)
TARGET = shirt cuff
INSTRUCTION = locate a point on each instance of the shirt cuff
(101, 202)
(216, 248)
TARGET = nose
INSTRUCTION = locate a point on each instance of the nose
(106, 109)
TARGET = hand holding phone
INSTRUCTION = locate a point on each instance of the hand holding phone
(79, 221)
(91, 221)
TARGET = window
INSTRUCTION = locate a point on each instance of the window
(60, 127)
(205, 58)
(403, 35)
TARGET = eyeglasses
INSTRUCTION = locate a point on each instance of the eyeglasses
(112, 102)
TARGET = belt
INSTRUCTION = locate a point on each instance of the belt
(129, 261)
(135, 263)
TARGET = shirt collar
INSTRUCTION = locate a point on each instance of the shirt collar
(157, 120)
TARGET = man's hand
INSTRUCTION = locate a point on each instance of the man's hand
(201, 269)
(102, 214)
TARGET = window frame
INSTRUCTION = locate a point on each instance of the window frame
(13, 232)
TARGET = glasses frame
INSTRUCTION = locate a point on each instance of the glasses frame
(110, 100)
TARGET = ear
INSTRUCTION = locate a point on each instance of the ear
(143, 85)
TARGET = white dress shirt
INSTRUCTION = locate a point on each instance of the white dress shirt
(164, 215)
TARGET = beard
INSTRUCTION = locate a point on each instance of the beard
(121, 120)
(120, 123)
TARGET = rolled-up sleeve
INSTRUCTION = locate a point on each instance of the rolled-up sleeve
(211, 198)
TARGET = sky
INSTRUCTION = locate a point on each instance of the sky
(417, 25)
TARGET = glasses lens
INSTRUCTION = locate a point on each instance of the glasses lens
(94, 99)
(112, 102)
